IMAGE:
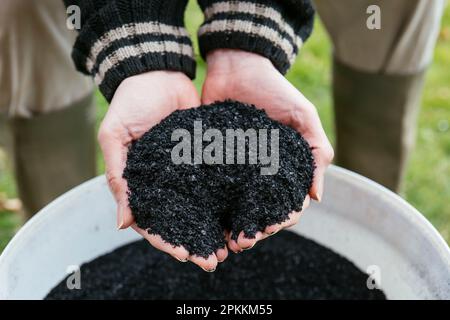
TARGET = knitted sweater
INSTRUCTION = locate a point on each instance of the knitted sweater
(122, 38)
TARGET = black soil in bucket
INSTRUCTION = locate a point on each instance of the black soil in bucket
(191, 203)
(286, 266)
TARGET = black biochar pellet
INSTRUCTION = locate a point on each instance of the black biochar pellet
(192, 204)
(288, 266)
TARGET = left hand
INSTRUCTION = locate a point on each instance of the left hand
(251, 78)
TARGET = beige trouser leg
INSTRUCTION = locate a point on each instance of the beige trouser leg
(37, 74)
(377, 81)
(52, 153)
(46, 107)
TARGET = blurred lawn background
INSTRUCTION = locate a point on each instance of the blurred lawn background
(427, 185)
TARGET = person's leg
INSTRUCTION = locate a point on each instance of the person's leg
(48, 106)
(50, 161)
(377, 81)
(375, 116)
(50, 153)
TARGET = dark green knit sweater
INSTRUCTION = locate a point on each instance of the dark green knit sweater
(122, 38)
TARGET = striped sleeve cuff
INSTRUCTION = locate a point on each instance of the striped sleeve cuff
(126, 38)
(274, 29)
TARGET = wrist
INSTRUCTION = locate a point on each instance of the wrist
(148, 80)
(158, 74)
(229, 60)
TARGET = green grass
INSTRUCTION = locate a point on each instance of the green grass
(427, 185)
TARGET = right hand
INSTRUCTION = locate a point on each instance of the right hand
(139, 103)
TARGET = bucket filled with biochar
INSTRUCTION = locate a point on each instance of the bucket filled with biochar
(287, 266)
(204, 172)
(227, 168)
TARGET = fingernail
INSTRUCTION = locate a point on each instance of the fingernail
(120, 218)
(248, 248)
(318, 197)
(181, 260)
(319, 191)
(210, 270)
(272, 233)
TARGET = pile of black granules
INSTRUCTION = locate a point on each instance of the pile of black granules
(193, 203)
(286, 267)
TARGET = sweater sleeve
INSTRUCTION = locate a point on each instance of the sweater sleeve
(122, 38)
(275, 29)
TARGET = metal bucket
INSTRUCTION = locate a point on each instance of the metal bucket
(358, 218)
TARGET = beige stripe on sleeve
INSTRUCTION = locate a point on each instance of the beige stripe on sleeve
(130, 30)
(138, 50)
(254, 9)
(252, 29)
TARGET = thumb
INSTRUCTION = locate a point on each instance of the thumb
(115, 154)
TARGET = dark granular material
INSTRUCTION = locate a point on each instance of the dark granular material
(286, 267)
(192, 204)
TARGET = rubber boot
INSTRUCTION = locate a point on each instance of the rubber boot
(375, 119)
(53, 153)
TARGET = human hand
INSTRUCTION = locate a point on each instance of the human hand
(251, 78)
(139, 103)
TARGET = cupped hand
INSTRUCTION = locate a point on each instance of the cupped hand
(139, 103)
(251, 78)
